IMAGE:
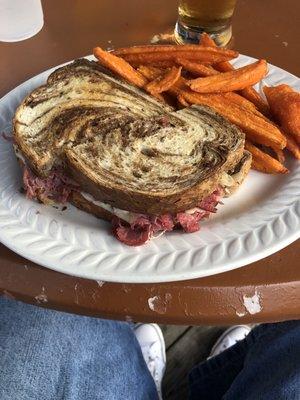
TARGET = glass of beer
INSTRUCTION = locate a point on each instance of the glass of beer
(210, 16)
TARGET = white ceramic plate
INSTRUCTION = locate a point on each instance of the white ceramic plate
(260, 219)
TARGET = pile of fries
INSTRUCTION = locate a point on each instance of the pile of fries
(183, 75)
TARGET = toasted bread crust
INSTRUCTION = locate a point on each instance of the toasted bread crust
(161, 202)
(240, 172)
(42, 162)
(147, 203)
(226, 145)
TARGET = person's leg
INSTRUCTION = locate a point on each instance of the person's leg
(264, 366)
(272, 365)
(212, 378)
(48, 355)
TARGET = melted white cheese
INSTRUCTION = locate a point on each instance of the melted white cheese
(193, 210)
(125, 215)
(226, 180)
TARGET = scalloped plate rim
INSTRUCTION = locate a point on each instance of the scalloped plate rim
(171, 277)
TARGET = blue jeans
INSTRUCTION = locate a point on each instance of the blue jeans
(49, 355)
(264, 366)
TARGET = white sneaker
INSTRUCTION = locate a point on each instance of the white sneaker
(228, 338)
(153, 347)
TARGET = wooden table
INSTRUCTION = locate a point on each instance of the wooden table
(263, 29)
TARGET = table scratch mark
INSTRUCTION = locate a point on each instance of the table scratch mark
(42, 297)
(252, 303)
(76, 294)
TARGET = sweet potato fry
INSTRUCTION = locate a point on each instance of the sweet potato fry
(274, 152)
(285, 106)
(178, 87)
(252, 95)
(249, 93)
(153, 72)
(242, 102)
(196, 68)
(267, 162)
(228, 54)
(164, 82)
(152, 54)
(163, 64)
(280, 89)
(153, 58)
(232, 80)
(119, 66)
(206, 40)
(182, 101)
(207, 70)
(256, 128)
(259, 166)
(292, 146)
(159, 64)
(150, 72)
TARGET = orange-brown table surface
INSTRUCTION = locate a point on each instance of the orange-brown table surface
(263, 29)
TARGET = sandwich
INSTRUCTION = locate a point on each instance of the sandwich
(88, 138)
